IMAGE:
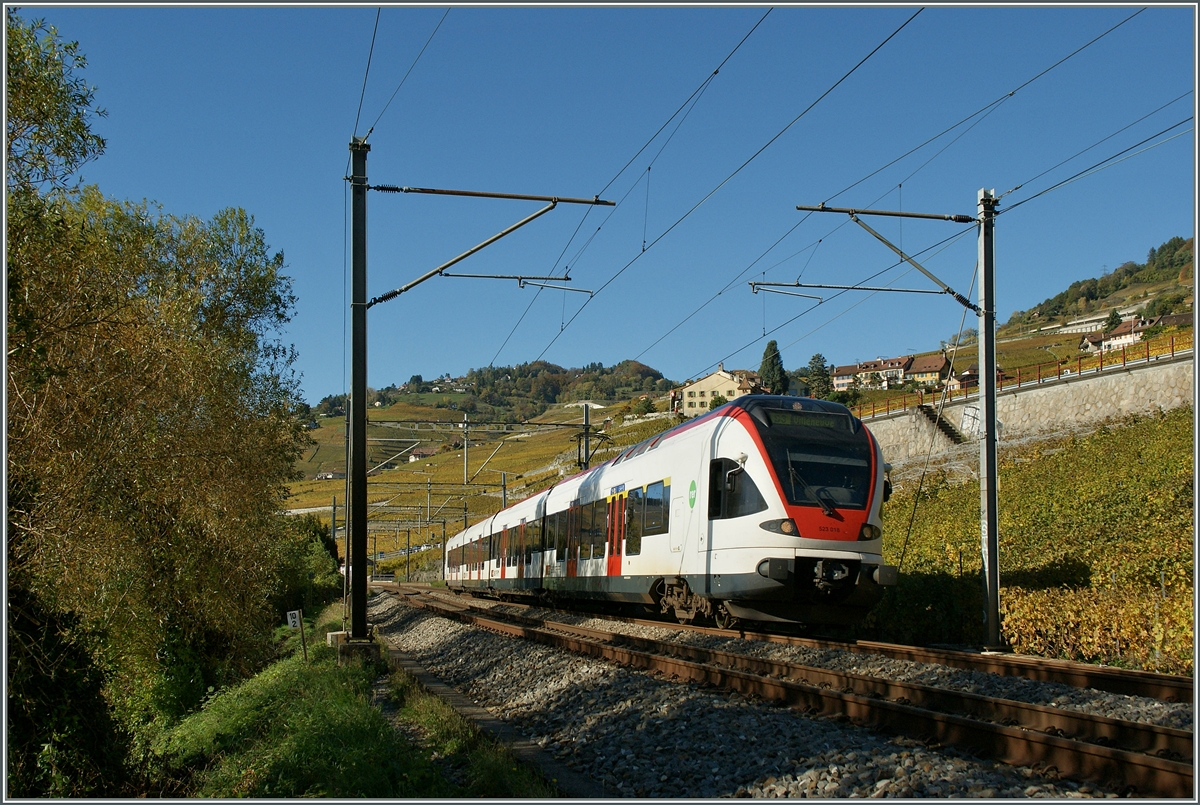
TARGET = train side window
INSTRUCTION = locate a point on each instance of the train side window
(586, 532)
(732, 495)
(599, 527)
(533, 535)
(633, 522)
(560, 534)
(657, 497)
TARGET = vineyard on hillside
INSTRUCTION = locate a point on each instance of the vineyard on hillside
(1096, 550)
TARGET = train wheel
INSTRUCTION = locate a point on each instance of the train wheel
(723, 619)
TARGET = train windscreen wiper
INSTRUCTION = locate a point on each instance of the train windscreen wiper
(795, 476)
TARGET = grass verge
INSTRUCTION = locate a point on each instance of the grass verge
(308, 729)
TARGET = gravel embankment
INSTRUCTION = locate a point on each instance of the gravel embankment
(644, 736)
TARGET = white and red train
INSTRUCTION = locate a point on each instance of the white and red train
(765, 509)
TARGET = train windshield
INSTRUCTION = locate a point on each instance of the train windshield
(820, 458)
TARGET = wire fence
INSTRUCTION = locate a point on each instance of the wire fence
(1141, 352)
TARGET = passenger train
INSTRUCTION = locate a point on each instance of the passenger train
(765, 509)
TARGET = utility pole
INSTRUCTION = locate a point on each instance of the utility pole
(504, 490)
(986, 311)
(357, 470)
(466, 446)
(358, 385)
(587, 434)
(988, 500)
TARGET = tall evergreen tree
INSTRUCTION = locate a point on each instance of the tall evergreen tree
(820, 385)
(771, 371)
(1113, 321)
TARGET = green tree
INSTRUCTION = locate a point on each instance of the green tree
(1113, 321)
(820, 384)
(641, 406)
(771, 371)
(152, 429)
(48, 133)
(716, 401)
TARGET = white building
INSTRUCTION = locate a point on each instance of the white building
(694, 396)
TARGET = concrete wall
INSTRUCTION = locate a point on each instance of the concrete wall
(1052, 407)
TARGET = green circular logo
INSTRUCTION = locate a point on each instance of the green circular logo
(692, 496)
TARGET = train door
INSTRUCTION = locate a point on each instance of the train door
(534, 549)
(504, 553)
(572, 539)
(519, 550)
(616, 533)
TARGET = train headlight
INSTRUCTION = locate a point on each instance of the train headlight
(786, 527)
(870, 532)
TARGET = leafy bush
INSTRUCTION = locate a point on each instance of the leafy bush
(308, 576)
(298, 729)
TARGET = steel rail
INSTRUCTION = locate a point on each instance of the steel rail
(1129, 771)
(1130, 735)
(1123, 681)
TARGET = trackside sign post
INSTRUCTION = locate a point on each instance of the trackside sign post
(295, 618)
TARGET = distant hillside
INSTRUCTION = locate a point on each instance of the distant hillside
(517, 393)
(1165, 280)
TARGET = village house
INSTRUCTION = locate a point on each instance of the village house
(1124, 334)
(843, 377)
(419, 453)
(693, 397)
(928, 370)
(890, 371)
(881, 372)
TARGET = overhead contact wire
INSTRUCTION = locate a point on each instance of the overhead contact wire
(1078, 154)
(985, 111)
(691, 98)
(732, 175)
(988, 106)
(1107, 162)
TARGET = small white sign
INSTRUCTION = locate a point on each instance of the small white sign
(294, 619)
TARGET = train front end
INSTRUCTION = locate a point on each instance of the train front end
(796, 487)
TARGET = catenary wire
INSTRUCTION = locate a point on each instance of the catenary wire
(683, 105)
(731, 176)
(985, 111)
(691, 99)
(1093, 145)
(945, 244)
(1107, 162)
(566, 270)
(406, 74)
(988, 106)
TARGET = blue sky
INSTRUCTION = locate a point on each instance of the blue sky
(211, 107)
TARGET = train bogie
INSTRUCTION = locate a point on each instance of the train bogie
(767, 509)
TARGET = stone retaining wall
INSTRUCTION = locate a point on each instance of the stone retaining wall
(1055, 406)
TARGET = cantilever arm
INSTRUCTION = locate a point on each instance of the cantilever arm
(393, 294)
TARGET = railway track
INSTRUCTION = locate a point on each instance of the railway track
(1128, 756)
(1126, 682)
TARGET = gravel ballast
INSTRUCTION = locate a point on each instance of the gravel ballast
(641, 735)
